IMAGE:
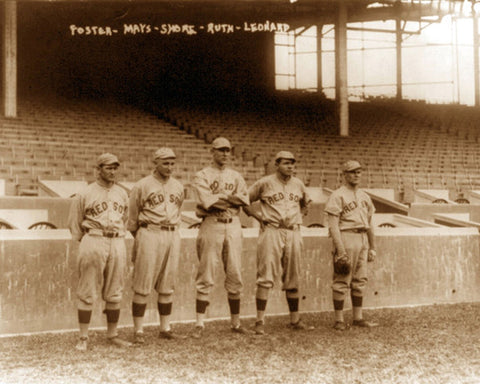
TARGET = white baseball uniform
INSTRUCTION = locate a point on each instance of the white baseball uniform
(280, 243)
(220, 234)
(154, 215)
(97, 219)
(354, 210)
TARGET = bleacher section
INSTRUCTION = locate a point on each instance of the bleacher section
(62, 142)
(403, 147)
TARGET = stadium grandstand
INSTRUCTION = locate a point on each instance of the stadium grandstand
(85, 77)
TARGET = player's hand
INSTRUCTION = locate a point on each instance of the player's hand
(372, 253)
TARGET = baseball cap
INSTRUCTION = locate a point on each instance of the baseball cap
(107, 159)
(284, 155)
(351, 165)
(221, 142)
(164, 153)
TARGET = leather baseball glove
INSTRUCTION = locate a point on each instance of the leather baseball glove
(341, 264)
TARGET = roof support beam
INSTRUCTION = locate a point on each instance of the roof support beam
(341, 78)
(319, 59)
(476, 65)
(10, 58)
(398, 46)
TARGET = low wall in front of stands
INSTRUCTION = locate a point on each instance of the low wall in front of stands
(57, 207)
(414, 266)
(427, 211)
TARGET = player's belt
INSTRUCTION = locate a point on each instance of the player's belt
(282, 226)
(224, 221)
(355, 230)
(104, 233)
(161, 227)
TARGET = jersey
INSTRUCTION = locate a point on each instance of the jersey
(211, 182)
(281, 201)
(153, 201)
(98, 207)
(353, 207)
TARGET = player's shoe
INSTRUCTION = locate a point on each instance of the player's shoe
(240, 330)
(260, 327)
(364, 324)
(340, 326)
(82, 344)
(198, 332)
(139, 338)
(117, 342)
(300, 326)
(169, 335)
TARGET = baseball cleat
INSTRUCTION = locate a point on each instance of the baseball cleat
(340, 326)
(82, 344)
(300, 326)
(239, 329)
(169, 335)
(260, 327)
(139, 338)
(117, 342)
(198, 332)
(364, 324)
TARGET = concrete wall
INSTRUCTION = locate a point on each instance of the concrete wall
(414, 266)
(56, 207)
(427, 211)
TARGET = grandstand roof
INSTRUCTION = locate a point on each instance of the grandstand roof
(296, 13)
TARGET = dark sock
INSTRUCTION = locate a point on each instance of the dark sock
(138, 310)
(164, 309)
(261, 304)
(292, 304)
(112, 315)
(201, 306)
(234, 306)
(84, 316)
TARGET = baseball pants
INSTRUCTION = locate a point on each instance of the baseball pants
(217, 242)
(356, 246)
(278, 255)
(102, 265)
(156, 262)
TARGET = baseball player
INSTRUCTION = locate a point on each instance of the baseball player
(97, 219)
(350, 212)
(221, 192)
(283, 200)
(154, 216)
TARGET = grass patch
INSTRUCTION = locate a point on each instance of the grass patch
(431, 344)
